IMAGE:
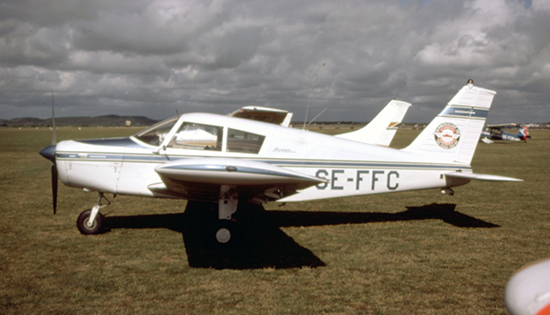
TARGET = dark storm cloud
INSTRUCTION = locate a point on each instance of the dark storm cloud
(155, 57)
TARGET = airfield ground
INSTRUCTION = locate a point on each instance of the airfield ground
(408, 253)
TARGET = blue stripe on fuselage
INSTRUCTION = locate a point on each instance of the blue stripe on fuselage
(124, 142)
(150, 158)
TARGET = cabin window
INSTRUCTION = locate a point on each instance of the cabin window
(155, 134)
(198, 137)
(243, 142)
(496, 131)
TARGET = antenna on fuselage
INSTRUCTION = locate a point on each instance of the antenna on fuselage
(307, 111)
(309, 123)
(309, 98)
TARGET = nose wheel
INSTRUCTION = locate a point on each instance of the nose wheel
(86, 225)
(91, 221)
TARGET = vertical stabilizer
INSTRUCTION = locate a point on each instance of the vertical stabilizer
(523, 133)
(454, 134)
(383, 127)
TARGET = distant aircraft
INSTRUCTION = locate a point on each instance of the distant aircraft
(528, 290)
(495, 132)
(379, 130)
(229, 163)
(383, 127)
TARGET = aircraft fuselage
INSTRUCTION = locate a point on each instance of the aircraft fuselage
(347, 168)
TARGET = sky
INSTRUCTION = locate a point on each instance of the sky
(156, 58)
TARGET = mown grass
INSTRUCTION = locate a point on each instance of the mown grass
(414, 252)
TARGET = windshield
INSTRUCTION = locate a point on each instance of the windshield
(155, 134)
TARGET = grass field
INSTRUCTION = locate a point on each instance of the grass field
(407, 253)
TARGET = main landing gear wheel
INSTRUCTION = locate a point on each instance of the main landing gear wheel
(83, 223)
(225, 233)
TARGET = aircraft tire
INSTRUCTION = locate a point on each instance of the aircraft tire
(83, 219)
(225, 233)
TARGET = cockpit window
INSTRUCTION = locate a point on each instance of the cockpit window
(244, 142)
(155, 134)
(198, 137)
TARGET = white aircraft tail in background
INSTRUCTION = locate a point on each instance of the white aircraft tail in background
(382, 128)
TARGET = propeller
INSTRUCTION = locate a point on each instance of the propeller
(54, 187)
(49, 153)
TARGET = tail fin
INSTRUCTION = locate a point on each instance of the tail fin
(454, 134)
(523, 133)
(383, 127)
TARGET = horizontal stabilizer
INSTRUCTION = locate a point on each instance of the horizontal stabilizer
(485, 177)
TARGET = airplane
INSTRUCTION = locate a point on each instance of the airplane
(245, 163)
(383, 127)
(380, 130)
(495, 132)
(528, 290)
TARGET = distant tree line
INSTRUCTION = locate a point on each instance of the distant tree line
(106, 121)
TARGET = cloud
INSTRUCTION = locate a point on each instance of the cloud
(155, 57)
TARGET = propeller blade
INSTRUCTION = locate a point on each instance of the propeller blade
(54, 187)
(54, 140)
(49, 153)
(54, 166)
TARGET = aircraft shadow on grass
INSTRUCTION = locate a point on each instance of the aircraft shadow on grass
(260, 242)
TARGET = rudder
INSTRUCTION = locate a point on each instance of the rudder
(453, 135)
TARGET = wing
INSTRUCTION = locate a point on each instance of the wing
(501, 126)
(202, 179)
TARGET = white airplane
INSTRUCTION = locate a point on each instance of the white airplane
(244, 162)
(528, 290)
(381, 130)
(383, 127)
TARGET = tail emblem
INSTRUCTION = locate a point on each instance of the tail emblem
(447, 135)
